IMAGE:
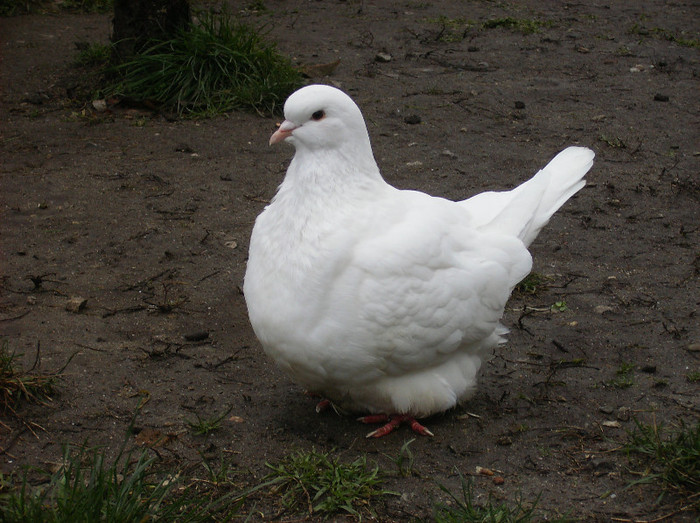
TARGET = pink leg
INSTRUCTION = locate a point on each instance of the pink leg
(322, 405)
(393, 422)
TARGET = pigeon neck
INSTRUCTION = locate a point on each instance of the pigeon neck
(334, 169)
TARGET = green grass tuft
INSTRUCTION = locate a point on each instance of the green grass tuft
(204, 426)
(532, 284)
(86, 488)
(89, 487)
(559, 306)
(624, 376)
(405, 459)
(693, 376)
(93, 55)
(451, 29)
(322, 485)
(18, 385)
(216, 65)
(463, 509)
(671, 458)
(659, 32)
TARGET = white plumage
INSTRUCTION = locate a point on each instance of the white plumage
(382, 300)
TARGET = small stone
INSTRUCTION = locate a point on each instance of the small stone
(448, 153)
(31, 300)
(99, 105)
(693, 347)
(383, 57)
(484, 471)
(602, 309)
(412, 119)
(417, 163)
(612, 424)
(658, 97)
(606, 409)
(498, 480)
(624, 413)
(76, 304)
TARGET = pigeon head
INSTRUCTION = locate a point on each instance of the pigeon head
(321, 117)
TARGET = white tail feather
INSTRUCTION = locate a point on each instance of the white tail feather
(523, 211)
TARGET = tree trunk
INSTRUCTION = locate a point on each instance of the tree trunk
(138, 23)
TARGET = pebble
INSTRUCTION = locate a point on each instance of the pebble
(448, 153)
(76, 304)
(383, 57)
(624, 413)
(99, 105)
(602, 309)
(606, 409)
(693, 347)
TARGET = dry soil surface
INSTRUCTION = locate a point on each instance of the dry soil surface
(148, 220)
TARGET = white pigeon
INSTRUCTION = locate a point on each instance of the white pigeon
(386, 301)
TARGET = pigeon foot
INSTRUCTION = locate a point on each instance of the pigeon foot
(393, 422)
(323, 405)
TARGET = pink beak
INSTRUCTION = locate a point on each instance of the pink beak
(284, 131)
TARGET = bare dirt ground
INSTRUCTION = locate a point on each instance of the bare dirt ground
(149, 219)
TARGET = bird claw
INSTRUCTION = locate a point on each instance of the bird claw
(420, 429)
(393, 422)
(322, 405)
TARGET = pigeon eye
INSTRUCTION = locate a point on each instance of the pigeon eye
(318, 115)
